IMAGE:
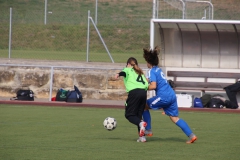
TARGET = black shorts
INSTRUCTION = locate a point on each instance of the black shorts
(135, 103)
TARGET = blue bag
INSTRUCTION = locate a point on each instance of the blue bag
(74, 96)
(197, 103)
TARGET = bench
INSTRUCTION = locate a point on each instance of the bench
(205, 84)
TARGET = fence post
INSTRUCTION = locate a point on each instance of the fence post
(88, 34)
(152, 34)
(45, 14)
(10, 34)
(96, 12)
(51, 84)
(101, 39)
(157, 7)
(154, 9)
(183, 9)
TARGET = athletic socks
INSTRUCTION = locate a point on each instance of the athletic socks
(184, 126)
(180, 123)
(147, 118)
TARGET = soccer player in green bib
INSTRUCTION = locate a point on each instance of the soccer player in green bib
(136, 86)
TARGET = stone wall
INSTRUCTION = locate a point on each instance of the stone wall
(94, 83)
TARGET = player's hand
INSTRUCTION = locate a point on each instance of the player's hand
(117, 76)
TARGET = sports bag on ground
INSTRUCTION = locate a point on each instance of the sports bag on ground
(74, 96)
(24, 95)
(197, 103)
(216, 103)
(184, 100)
(61, 95)
(230, 105)
(171, 83)
(206, 99)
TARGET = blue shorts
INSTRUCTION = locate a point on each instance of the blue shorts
(169, 104)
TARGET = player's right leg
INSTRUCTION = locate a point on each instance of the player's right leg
(142, 126)
(141, 139)
(154, 103)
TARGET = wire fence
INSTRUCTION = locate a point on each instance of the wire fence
(123, 25)
(198, 9)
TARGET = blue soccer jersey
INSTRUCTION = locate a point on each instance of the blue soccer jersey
(165, 96)
(163, 89)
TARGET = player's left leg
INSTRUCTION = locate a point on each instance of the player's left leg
(142, 105)
(147, 118)
(185, 128)
(141, 139)
(134, 108)
(172, 112)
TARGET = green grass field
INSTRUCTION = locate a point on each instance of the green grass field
(61, 133)
(71, 56)
(66, 30)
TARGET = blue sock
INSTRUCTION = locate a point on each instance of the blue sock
(184, 126)
(147, 118)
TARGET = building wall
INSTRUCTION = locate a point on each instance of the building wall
(93, 83)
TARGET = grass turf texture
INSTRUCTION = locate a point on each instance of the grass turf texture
(71, 56)
(66, 30)
(31, 132)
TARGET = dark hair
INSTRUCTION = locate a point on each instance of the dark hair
(151, 56)
(134, 63)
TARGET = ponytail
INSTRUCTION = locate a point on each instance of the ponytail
(134, 63)
(137, 70)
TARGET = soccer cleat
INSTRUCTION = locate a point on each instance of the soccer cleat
(142, 139)
(148, 133)
(192, 139)
(142, 126)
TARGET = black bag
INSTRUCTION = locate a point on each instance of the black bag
(61, 95)
(171, 83)
(24, 95)
(206, 99)
(216, 103)
(74, 96)
(230, 105)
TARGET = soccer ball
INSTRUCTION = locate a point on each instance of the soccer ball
(110, 123)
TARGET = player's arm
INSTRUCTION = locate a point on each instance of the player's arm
(152, 81)
(120, 74)
(152, 86)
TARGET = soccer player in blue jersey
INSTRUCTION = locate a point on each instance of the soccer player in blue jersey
(136, 86)
(165, 96)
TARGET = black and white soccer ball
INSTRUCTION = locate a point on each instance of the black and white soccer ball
(110, 123)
